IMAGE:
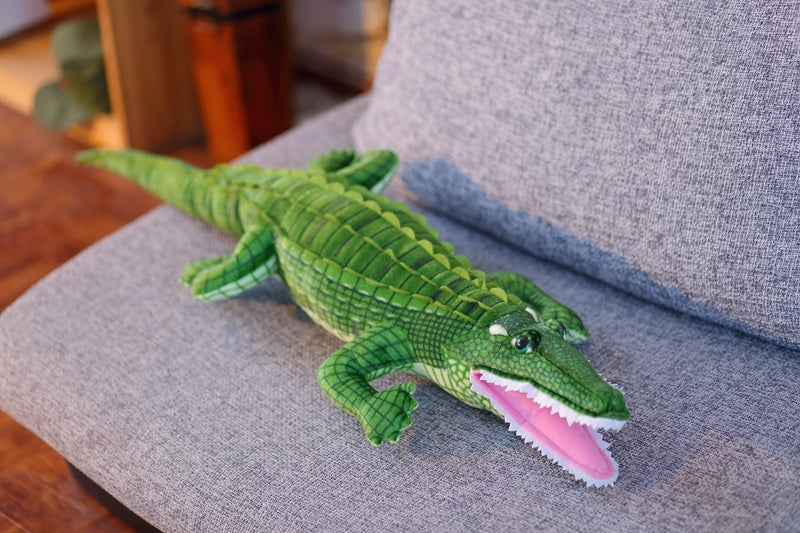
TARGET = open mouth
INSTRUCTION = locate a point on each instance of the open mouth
(565, 436)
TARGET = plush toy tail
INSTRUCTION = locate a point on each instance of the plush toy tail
(178, 183)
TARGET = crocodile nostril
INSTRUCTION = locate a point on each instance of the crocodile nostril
(616, 403)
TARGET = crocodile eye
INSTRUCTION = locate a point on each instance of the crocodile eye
(521, 343)
(526, 343)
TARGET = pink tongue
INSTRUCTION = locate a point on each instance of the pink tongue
(574, 444)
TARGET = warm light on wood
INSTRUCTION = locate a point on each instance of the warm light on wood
(147, 68)
(149, 77)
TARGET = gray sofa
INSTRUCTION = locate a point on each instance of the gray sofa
(639, 163)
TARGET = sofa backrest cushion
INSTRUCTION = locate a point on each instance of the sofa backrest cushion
(666, 134)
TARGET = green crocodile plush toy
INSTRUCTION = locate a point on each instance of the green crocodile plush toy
(379, 278)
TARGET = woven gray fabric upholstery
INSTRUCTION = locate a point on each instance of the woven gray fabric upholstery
(664, 132)
(450, 191)
(207, 416)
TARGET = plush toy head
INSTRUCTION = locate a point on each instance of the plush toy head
(546, 390)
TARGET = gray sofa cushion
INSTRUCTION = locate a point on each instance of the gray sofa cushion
(664, 133)
(448, 190)
(207, 416)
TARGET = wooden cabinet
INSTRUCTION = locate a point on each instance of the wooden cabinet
(153, 100)
(242, 66)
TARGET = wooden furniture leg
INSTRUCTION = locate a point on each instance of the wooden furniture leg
(242, 67)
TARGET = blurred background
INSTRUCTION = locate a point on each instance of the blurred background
(235, 71)
(202, 80)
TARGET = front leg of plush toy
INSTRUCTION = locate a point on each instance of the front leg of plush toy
(562, 318)
(345, 377)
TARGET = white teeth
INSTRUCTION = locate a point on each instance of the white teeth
(590, 481)
(545, 400)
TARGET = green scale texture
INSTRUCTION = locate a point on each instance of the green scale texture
(378, 277)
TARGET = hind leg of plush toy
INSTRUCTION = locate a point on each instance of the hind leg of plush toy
(253, 260)
(547, 308)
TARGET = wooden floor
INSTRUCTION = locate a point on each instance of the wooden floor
(51, 209)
